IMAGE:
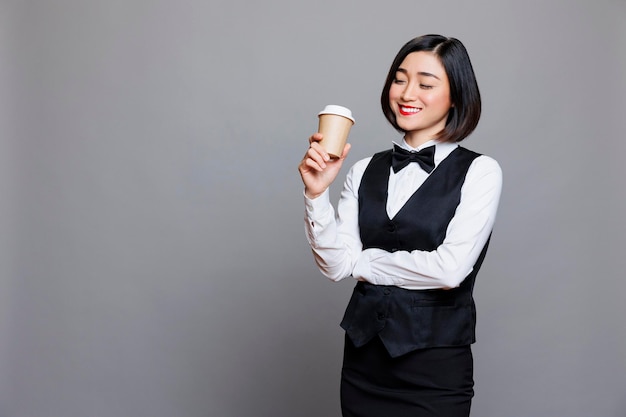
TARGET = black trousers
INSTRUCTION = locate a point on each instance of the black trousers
(435, 382)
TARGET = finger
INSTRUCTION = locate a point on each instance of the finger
(307, 164)
(311, 163)
(318, 155)
(320, 150)
(316, 137)
(314, 156)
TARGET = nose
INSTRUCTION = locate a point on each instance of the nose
(409, 92)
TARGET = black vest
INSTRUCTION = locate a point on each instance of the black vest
(406, 320)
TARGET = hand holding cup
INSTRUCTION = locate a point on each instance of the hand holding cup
(334, 125)
(327, 150)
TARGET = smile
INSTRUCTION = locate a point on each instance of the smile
(407, 111)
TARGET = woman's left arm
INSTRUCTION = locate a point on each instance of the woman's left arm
(453, 260)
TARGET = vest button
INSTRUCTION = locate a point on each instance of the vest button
(381, 316)
(387, 291)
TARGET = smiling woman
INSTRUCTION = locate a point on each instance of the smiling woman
(438, 63)
(419, 97)
(413, 236)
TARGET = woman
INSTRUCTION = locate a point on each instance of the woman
(412, 228)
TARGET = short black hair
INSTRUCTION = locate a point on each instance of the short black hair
(464, 94)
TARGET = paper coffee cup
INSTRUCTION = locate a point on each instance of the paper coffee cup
(334, 124)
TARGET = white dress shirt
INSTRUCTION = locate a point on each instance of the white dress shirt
(336, 243)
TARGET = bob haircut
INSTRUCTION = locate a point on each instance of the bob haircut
(464, 94)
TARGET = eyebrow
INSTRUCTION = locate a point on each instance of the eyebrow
(423, 73)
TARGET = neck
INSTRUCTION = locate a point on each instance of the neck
(416, 142)
(416, 138)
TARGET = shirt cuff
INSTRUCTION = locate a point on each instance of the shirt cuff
(319, 216)
(362, 270)
(317, 207)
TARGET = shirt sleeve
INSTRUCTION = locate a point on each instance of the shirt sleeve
(334, 236)
(453, 260)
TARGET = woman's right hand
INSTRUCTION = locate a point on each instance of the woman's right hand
(317, 169)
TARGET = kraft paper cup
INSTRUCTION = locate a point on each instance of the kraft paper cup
(334, 124)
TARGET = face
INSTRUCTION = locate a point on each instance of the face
(419, 96)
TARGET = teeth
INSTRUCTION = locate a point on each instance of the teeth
(409, 109)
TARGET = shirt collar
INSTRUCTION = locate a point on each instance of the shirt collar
(408, 147)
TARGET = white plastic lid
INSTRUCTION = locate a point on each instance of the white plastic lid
(339, 110)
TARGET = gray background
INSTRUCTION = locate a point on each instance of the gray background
(152, 255)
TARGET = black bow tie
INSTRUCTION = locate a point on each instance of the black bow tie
(401, 158)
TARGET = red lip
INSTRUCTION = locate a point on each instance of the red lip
(405, 113)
